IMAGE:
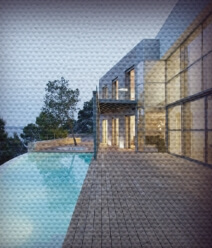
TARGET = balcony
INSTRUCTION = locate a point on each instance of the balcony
(115, 104)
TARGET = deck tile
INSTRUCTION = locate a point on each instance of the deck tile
(143, 200)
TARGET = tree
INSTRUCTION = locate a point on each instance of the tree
(30, 133)
(85, 118)
(3, 134)
(5, 153)
(16, 145)
(60, 104)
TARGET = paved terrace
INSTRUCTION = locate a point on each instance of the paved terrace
(143, 200)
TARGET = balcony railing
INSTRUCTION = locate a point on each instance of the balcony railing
(123, 94)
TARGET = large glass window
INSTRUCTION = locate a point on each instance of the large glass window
(140, 129)
(174, 117)
(154, 72)
(210, 147)
(154, 95)
(155, 122)
(130, 85)
(207, 71)
(104, 131)
(192, 80)
(207, 35)
(194, 145)
(173, 65)
(104, 92)
(155, 129)
(209, 112)
(209, 115)
(173, 90)
(193, 62)
(115, 132)
(175, 142)
(115, 92)
(194, 115)
(192, 48)
(130, 131)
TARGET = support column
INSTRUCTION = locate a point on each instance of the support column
(95, 124)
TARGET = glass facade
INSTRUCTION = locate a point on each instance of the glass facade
(207, 35)
(151, 128)
(173, 89)
(175, 142)
(194, 115)
(173, 65)
(189, 96)
(174, 121)
(209, 156)
(191, 80)
(130, 84)
(191, 50)
(115, 90)
(174, 100)
(207, 71)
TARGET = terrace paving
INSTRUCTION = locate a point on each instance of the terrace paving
(143, 200)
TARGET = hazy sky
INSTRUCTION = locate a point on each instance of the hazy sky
(42, 40)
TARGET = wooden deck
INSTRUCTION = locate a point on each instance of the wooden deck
(143, 200)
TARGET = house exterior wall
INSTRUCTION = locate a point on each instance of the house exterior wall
(173, 84)
(183, 14)
(189, 94)
(145, 50)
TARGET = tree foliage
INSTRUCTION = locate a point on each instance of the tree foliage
(57, 116)
(85, 118)
(10, 147)
(30, 133)
(60, 102)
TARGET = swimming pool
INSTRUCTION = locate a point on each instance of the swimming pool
(38, 194)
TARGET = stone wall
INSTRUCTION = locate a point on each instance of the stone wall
(42, 145)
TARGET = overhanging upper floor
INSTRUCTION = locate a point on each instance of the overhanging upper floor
(111, 105)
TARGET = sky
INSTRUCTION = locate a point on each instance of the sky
(80, 40)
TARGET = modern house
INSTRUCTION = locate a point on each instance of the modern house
(158, 98)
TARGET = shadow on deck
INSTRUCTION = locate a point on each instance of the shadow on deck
(143, 200)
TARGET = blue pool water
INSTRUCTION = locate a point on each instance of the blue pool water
(38, 193)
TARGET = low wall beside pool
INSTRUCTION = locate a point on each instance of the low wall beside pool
(45, 144)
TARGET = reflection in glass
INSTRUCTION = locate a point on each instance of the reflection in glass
(192, 49)
(154, 72)
(175, 142)
(192, 80)
(115, 92)
(207, 35)
(173, 90)
(207, 71)
(173, 65)
(194, 145)
(155, 129)
(130, 85)
(174, 117)
(154, 95)
(140, 129)
(209, 112)
(194, 114)
(210, 147)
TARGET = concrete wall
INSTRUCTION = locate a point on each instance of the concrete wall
(42, 145)
(182, 15)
